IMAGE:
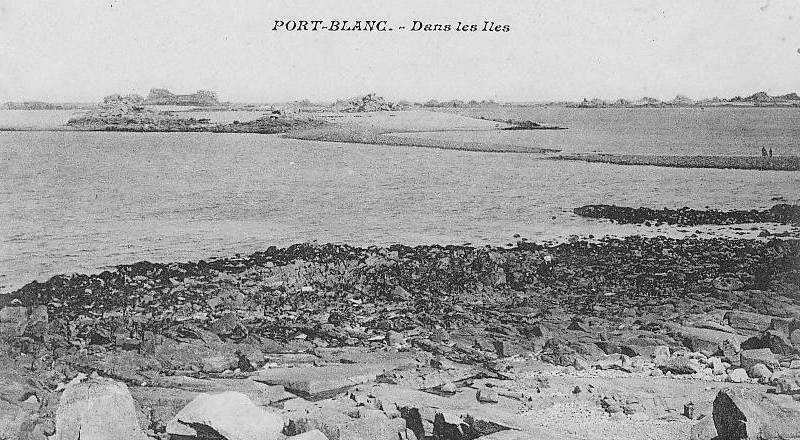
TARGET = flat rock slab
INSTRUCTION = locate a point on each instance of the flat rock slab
(464, 409)
(362, 355)
(749, 322)
(513, 434)
(231, 415)
(704, 340)
(260, 393)
(320, 382)
(426, 377)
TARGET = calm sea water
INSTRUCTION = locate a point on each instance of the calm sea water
(663, 131)
(78, 202)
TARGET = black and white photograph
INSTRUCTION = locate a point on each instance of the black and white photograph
(386, 220)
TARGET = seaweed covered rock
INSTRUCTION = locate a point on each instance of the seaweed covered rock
(781, 213)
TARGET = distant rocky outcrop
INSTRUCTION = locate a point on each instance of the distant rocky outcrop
(457, 103)
(367, 103)
(764, 98)
(116, 98)
(789, 97)
(118, 115)
(165, 97)
(681, 100)
(756, 99)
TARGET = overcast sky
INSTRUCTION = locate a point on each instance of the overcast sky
(82, 50)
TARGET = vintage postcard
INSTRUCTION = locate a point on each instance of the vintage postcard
(416, 220)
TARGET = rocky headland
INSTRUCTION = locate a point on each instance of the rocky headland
(620, 338)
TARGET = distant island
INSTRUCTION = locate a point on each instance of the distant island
(372, 119)
(369, 103)
(202, 98)
(759, 99)
(208, 100)
(127, 113)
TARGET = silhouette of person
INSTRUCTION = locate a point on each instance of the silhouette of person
(770, 152)
(763, 152)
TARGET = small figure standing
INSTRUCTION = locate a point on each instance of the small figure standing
(770, 152)
(763, 152)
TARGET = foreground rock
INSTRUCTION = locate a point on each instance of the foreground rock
(98, 409)
(405, 342)
(755, 416)
(230, 415)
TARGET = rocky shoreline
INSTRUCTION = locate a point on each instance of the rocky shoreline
(514, 124)
(780, 213)
(435, 342)
(777, 163)
(373, 136)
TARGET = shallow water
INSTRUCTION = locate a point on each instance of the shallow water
(84, 201)
(723, 131)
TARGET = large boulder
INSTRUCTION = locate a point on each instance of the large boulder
(784, 325)
(37, 322)
(749, 322)
(98, 409)
(750, 358)
(795, 338)
(230, 414)
(18, 414)
(226, 324)
(13, 321)
(755, 416)
(706, 341)
(681, 365)
(774, 340)
(787, 382)
(778, 342)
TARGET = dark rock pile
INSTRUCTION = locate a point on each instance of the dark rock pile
(345, 296)
(781, 213)
(312, 321)
(123, 116)
(367, 103)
